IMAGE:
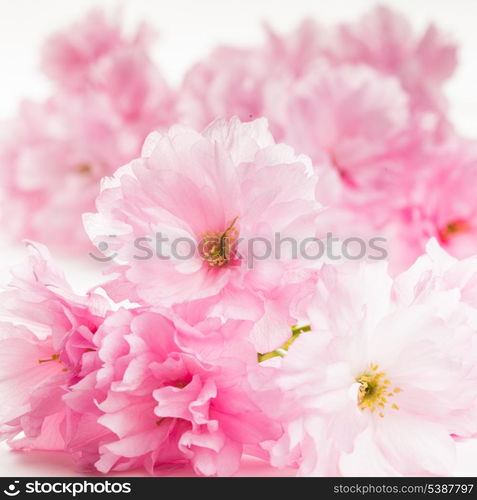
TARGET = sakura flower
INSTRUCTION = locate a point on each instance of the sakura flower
(367, 118)
(46, 345)
(355, 117)
(55, 153)
(230, 82)
(110, 95)
(250, 83)
(72, 55)
(210, 197)
(437, 274)
(96, 55)
(440, 204)
(369, 153)
(361, 120)
(436, 270)
(371, 379)
(384, 39)
(298, 51)
(167, 403)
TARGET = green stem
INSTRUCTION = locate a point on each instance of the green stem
(280, 352)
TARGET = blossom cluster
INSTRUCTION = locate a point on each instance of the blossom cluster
(106, 96)
(350, 367)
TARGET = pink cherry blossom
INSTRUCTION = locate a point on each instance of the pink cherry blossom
(439, 277)
(96, 55)
(232, 181)
(439, 204)
(385, 40)
(364, 100)
(109, 96)
(437, 270)
(56, 153)
(46, 346)
(72, 56)
(232, 343)
(363, 112)
(170, 393)
(372, 380)
(370, 149)
(355, 117)
(245, 82)
(230, 82)
(297, 51)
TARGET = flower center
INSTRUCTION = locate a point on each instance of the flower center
(374, 390)
(84, 168)
(54, 357)
(453, 228)
(217, 248)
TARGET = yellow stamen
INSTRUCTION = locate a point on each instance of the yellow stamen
(374, 390)
(216, 248)
(54, 357)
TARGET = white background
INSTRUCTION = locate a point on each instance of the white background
(189, 29)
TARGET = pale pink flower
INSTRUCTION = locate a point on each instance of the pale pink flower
(437, 276)
(249, 83)
(371, 115)
(367, 145)
(246, 82)
(364, 124)
(436, 270)
(71, 56)
(109, 96)
(368, 96)
(440, 203)
(356, 118)
(52, 159)
(96, 55)
(230, 82)
(173, 393)
(46, 345)
(385, 40)
(210, 195)
(421, 187)
(372, 380)
(297, 51)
